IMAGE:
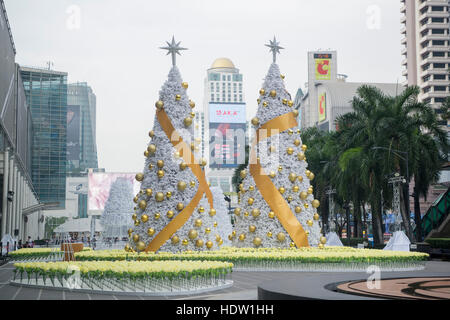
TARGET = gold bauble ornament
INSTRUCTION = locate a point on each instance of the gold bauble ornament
(130, 231)
(320, 246)
(250, 201)
(251, 188)
(218, 238)
(300, 156)
(306, 205)
(144, 218)
(184, 85)
(303, 195)
(157, 216)
(191, 104)
(262, 92)
(309, 223)
(295, 188)
(292, 244)
(135, 237)
(230, 237)
(284, 101)
(282, 76)
(246, 213)
(160, 173)
(316, 216)
(203, 162)
(289, 199)
(181, 185)
(135, 199)
(290, 132)
(323, 240)
(176, 154)
(192, 234)
(170, 214)
(272, 174)
(160, 163)
(180, 206)
(298, 209)
(199, 243)
(137, 222)
(256, 212)
(187, 121)
(281, 237)
(134, 216)
(127, 248)
(159, 196)
(233, 233)
(151, 148)
(212, 212)
(209, 244)
(292, 177)
(307, 172)
(175, 239)
(140, 246)
(269, 234)
(207, 230)
(257, 241)
(310, 190)
(243, 174)
(311, 176)
(273, 93)
(272, 149)
(183, 165)
(295, 112)
(150, 231)
(265, 104)
(177, 97)
(192, 183)
(146, 153)
(296, 142)
(142, 204)
(148, 192)
(258, 100)
(315, 203)
(242, 237)
(215, 224)
(159, 104)
(168, 194)
(151, 133)
(220, 242)
(139, 177)
(271, 214)
(290, 103)
(150, 166)
(255, 121)
(252, 228)
(185, 242)
(237, 211)
(201, 209)
(289, 151)
(198, 222)
(280, 168)
(304, 147)
(281, 190)
(300, 178)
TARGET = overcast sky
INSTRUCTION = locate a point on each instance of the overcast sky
(113, 46)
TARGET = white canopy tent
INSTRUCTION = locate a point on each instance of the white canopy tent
(79, 225)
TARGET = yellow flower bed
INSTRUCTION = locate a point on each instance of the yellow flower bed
(126, 269)
(34, 253)
(246, 255)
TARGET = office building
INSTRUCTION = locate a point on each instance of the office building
(426, 51)
(19, 203)
(46, 93)
(221, 124)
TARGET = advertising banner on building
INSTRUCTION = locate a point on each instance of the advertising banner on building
(73, 132)
(99, 184)
(322, 106)
(226, 134)
(323, 66)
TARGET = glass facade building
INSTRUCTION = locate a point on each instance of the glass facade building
(46, 95)
(81, 141)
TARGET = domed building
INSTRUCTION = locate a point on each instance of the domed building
(223, 109)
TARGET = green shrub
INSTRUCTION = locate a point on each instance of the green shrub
(442, 243)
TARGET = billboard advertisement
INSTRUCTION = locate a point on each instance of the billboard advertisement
(323, 66)
(227, 124)
(73, 133)
(322, 106)
(99, 184)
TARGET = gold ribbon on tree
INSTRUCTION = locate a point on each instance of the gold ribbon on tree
(265, 186)
(203, 188)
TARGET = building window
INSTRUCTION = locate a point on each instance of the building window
(437, 20)
(438, 65)
(224, 78)
(439, 77)
(212, 97)
(437, 8)
(240, 98)
(426, 78)
(440, 88)
(426, 89)
(425, 67)
(438, 31)
(427, 100)
(439, 100)
(438, 54)
(438, 43)
(228, 78)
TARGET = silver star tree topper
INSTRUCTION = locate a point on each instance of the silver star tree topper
(274, 47)
(173, 48)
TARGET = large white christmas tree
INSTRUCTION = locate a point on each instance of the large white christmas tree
(223, 217)
(116, 215)
(277, 207)
(174, 209)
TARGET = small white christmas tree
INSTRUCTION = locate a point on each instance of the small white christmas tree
(277, 206)
(172, 212)
(115, 218)
(223, 217)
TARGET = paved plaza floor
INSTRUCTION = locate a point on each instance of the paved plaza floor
(246, 286)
